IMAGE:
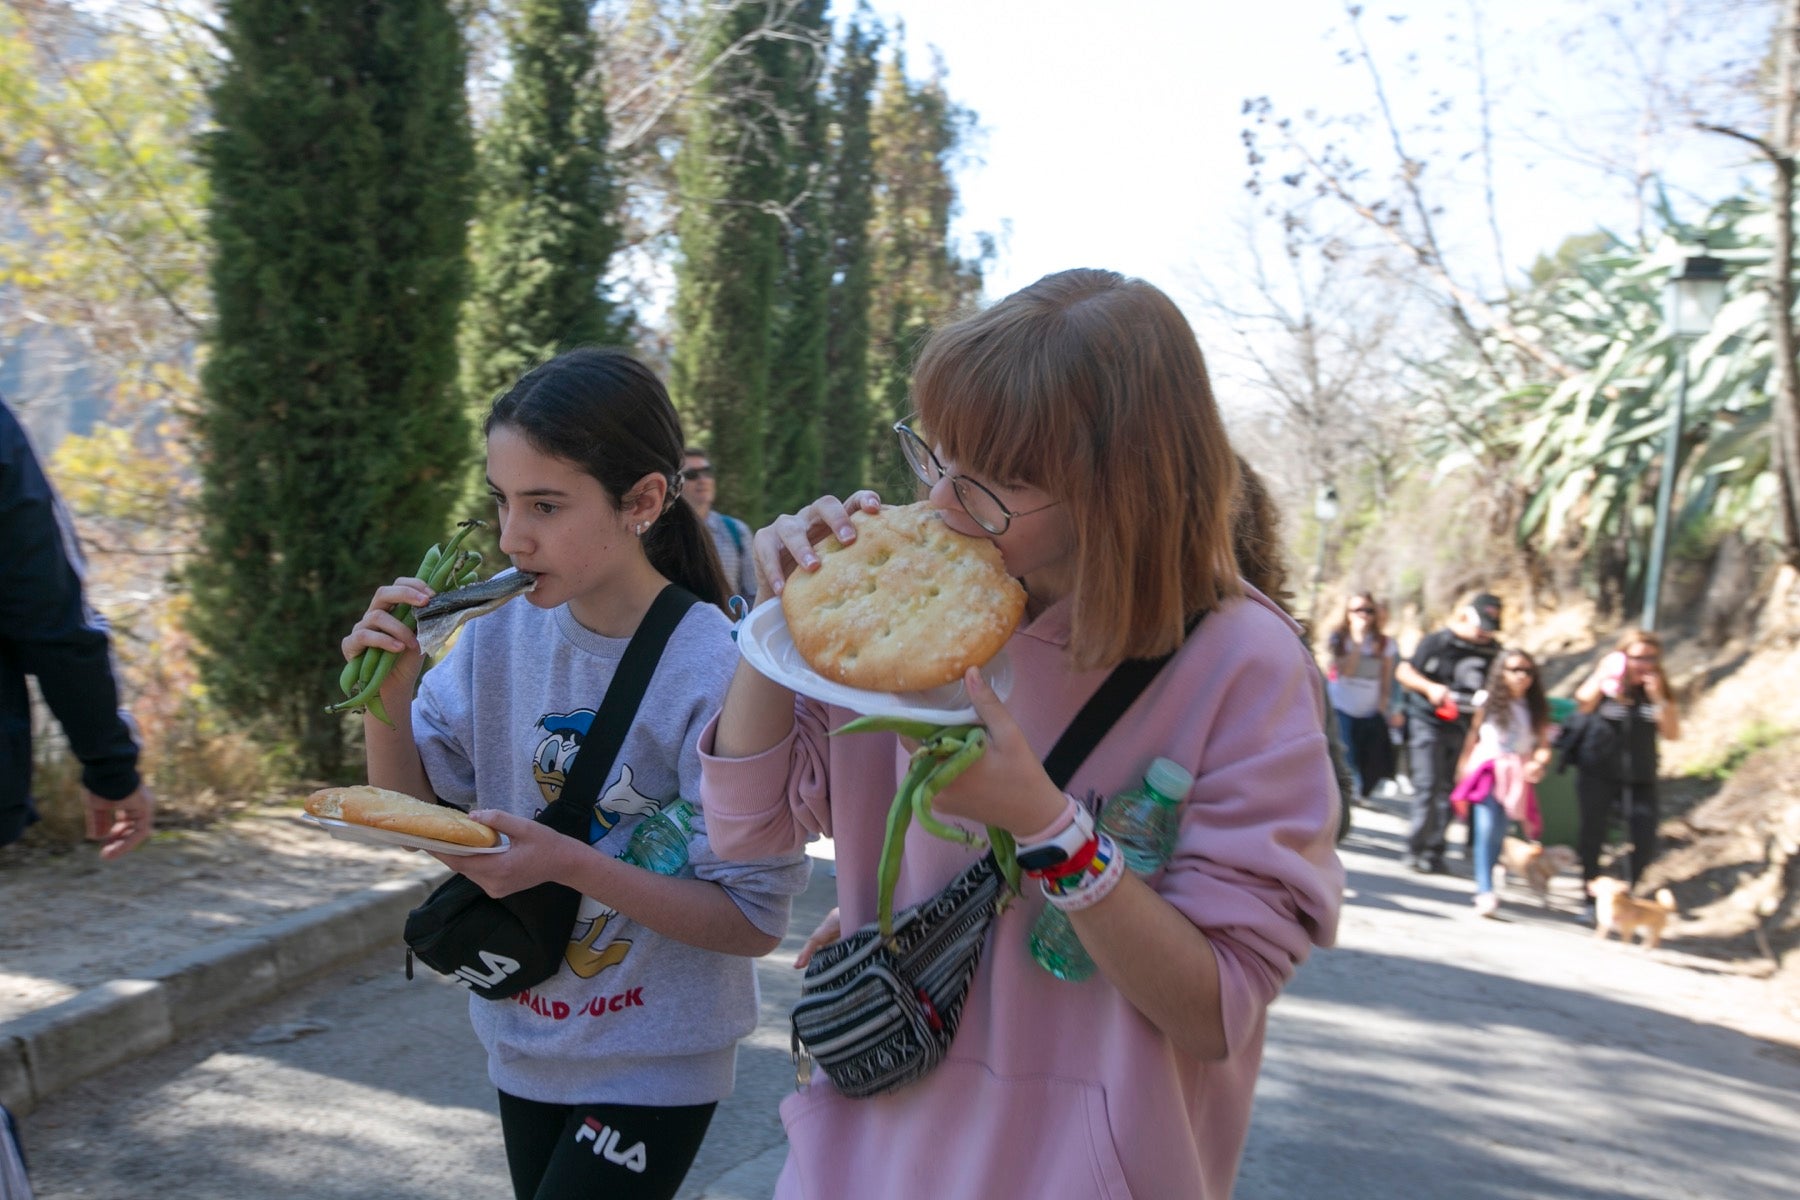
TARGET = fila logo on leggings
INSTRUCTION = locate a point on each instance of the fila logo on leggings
(606, 1141)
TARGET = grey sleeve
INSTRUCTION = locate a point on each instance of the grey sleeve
(444, 724)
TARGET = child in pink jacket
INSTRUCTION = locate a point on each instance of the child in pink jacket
(1073, 426)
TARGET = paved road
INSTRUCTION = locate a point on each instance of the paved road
(1431, 1055)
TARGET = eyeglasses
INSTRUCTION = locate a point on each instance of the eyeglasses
(1362, 612)
(1521, 671)
(692, 473)
(1649, 658)
(983, 507)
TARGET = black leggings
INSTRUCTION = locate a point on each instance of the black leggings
(619, 1151)
(1597, 800)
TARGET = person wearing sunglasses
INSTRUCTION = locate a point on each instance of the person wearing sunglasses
(1628, 707)
(1360, 678)
(730, 535)
(1501, 764)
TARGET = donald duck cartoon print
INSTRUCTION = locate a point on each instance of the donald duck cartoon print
(588, 952)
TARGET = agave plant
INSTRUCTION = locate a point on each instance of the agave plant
(1587, 450)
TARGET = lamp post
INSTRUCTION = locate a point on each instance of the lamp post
(1690, 301)
(1325, 511)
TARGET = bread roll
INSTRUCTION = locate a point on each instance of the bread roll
(399, 813)
(909, 605)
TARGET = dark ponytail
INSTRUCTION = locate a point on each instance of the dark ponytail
(682, 550)
(610, 415)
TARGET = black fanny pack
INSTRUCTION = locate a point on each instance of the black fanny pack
(499, 947)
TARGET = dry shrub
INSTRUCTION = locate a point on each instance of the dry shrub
(198, 769)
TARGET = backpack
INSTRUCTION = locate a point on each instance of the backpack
(1581, 741)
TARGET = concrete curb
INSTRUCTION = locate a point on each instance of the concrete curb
(45, 1051)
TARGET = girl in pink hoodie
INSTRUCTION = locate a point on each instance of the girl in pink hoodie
(1072, 425)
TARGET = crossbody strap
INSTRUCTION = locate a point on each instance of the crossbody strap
(1120, 691)
(612, 721)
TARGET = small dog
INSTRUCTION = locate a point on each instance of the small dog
(1536, 863)
(1616, 908)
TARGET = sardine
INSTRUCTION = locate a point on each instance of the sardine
(446, 611)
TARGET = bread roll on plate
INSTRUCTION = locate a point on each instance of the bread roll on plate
(909, 605)
(399, 813)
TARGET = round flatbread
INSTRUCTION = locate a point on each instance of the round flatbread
(909, 605)
(397, 812)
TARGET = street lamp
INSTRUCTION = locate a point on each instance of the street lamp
(1690, 301)
(1325, 511)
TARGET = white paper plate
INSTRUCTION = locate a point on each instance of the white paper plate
(392, 837)
(764, 641)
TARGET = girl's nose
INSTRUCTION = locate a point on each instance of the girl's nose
(512, 543)
(943, 497)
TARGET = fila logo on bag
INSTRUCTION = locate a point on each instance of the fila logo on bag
(499, 967)
(606, 1142)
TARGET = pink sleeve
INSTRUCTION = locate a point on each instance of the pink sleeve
(1255, 867)
(770, 803)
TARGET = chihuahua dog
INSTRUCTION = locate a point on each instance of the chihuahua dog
(1616, 908)
(1536, 863)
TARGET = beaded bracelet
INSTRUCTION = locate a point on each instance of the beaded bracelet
(1093, 884)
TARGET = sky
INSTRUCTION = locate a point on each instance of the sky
(1113, 140)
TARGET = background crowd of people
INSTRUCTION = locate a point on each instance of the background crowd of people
(1474, 719)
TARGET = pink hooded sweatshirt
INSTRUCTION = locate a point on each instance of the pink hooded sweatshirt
(1054, 1088)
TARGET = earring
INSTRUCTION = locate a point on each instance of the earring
(642, 525)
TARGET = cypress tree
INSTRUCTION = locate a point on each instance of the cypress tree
(333, 431)
(921, 280)
(546, 223)
(846, 411)
(730, 174)
(794, 447)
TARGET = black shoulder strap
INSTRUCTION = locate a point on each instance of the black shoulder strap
(613, 721)
(1121, 689)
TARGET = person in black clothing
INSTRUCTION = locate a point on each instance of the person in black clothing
(48, 631)
(1447, 668)
(1630, 708)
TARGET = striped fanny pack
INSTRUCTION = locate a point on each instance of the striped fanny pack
(878, 1013)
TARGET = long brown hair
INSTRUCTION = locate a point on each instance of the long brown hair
(1339, 640)
(1091, 386)
(609, 414)
(1497, 708)
(1256, 539)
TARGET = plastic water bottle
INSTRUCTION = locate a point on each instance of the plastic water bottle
(1142, 823)
(660, 842)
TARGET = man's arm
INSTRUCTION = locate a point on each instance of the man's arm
(51, 632)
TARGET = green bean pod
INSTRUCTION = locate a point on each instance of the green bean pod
(441, 566)
(937, 779)
(1006, 854)
(893, 845)
(918, 731)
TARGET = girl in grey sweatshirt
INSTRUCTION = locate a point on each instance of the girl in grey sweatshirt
(609, 1071)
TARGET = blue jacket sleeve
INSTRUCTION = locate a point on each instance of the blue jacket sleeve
(46, 629)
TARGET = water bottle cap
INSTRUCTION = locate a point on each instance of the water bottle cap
(1169, 780)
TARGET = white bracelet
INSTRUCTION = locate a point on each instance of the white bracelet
(1093, 888)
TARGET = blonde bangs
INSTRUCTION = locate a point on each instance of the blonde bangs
(1092, 387)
